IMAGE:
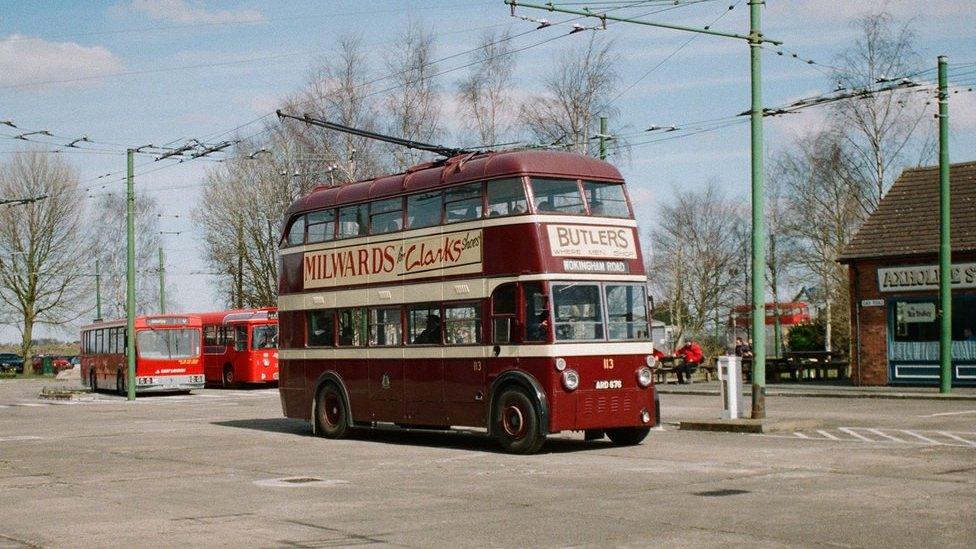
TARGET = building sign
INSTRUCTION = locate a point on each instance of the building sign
(925, 277)
(592, 241)
(909, 312)
(872, 303)
(594, 266)
(393, 260)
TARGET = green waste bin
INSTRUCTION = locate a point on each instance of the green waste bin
(48, 368)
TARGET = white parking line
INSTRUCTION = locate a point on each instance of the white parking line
(855, 435)
(950, 413)
(827, 435)
(881, 434)
(960, 439)
(800, 435)
(921, 437)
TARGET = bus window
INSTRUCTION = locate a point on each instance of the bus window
(296, 233)
(423, 210)
(321, 226)
(606, 199)
(626, 312)
(462, 324)
(503, 313)
(557, 195)
(536, 313)
(320, 329)
(506, 197)
(577, 311)
(264, 337)
(240, 338)
(210, 336)
(352, 327)
(462, 203)
(424, 325)
(169, 344)
(384, 326)
(385, 215)
(352, 221)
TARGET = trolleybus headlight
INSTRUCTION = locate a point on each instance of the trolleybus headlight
(570, 380)
(645, 416)
(644, 376)
(651, 361)
(560, 364)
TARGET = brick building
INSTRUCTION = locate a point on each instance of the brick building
(893, 272)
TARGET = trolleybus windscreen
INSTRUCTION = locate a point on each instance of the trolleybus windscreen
(577, 312)
(606, 199)
(169, 344)
(557, 195)
(626, 312)
(264, 337)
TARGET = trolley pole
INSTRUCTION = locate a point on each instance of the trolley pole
(945, 243)
(130, 276)
(603, 138)
(162, 282)
(98, 291)
(755, 39)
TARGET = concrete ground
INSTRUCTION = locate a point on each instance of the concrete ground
(224, 469)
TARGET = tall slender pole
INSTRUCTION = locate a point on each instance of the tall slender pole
(758, 228)
(162, 282)
(945, 243)
(130, 276)
(603, 138)
(98, 291)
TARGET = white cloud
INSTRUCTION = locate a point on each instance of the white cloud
(183, 11)
(24, 60)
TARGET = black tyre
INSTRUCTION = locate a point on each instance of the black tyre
(120, 384)
(627, 436)
(516, 422)
(227, 380)
(330, 412)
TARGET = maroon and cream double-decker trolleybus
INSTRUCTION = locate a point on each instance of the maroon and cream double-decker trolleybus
(501, 290)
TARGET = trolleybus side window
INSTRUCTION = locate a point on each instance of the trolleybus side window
(577, 311)
(296, 233)
(352, 220)
(462, 324)
(536, 312)
(321, 329)
(423, 210)
(385, 327)
(557, 195)
(606, 199)
(386, 216)
(626, 312)
(462, 203)
(506, 197)
(503, 313)
(240, 338)
(321, 226)
(424, 324)
(352, 327)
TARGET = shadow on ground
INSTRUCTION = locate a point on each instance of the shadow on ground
(454, 439)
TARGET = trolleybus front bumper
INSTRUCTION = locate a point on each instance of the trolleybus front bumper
(154, 384)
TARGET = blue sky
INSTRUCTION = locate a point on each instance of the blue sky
(277, 42)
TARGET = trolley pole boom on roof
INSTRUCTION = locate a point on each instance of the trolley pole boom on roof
(410, 144)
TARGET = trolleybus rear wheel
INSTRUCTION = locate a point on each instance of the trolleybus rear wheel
(228, 379)
(627, 436)
(92, 381)
(517, 422)
(120, 384)
(330, 412)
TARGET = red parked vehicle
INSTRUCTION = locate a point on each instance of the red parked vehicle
(241, 346)
(167, 354)
(500, 290)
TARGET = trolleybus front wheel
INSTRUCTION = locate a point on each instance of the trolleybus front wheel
(330, 412)
(228, 378)
(120, 384)
(92, 383)
(627, 436)
(517, 422)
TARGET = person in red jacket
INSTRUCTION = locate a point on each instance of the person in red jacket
(692, 357)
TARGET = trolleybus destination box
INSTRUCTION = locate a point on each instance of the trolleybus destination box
(591, 241)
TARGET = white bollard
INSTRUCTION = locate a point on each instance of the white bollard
(730, 383)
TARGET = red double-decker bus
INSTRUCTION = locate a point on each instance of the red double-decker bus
(500, 290)
(167, 354)
(241, 346)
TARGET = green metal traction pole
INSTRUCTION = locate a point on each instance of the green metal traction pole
(162, 282)
(98, 291)
(945, 243)
(130, 277)
(756, 40)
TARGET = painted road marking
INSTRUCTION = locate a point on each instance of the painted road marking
(20, 437)
(960, 439)
(855, 435)
(950, 413)
(800, 435)
(957, 439)
(916, 435)
(825, 434)
(881, 434)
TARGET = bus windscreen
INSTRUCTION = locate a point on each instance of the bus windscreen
(168, 344)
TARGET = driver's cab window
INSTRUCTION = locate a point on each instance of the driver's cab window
(240, 338)
(503, 309)
(536, 307)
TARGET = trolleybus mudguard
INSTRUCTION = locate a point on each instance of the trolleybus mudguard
(527, 382)
(330, 375)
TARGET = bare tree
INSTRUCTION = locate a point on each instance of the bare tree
(881, 130)
(412, 105)
(697, 257)
(42, 244)
(107, 227)
(485, 94)
(580, 79)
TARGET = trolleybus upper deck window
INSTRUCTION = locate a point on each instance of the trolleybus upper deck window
(321, 226)
(557, 196)
(385, 216)
(606, 199)
(423, 210)
(296, 233)
(353, 220)
(506, 197)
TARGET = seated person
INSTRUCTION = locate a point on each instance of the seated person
(692, 357)
(544, 206)
(432, 332)
(742, 349)
(538, 328)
